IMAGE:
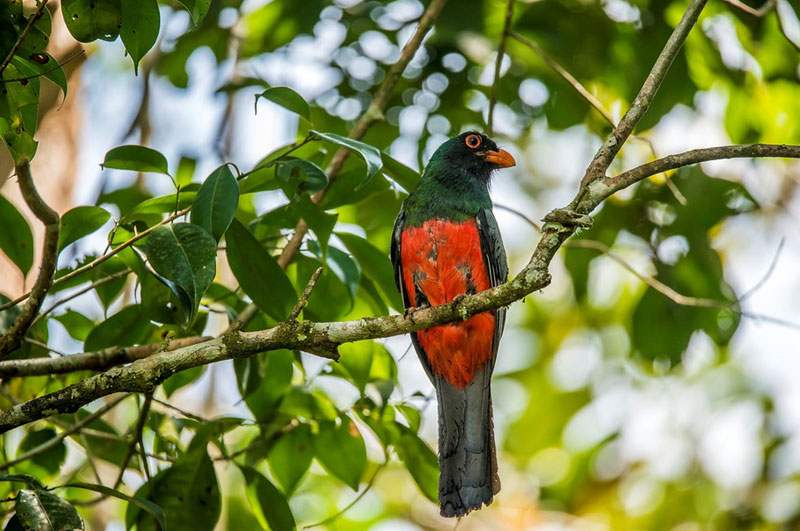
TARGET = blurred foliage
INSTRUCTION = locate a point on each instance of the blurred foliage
(298, 451)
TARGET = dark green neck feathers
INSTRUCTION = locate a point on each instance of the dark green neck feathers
(454, 185)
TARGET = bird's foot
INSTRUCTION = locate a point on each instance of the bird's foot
(569, 218)
(408, 313)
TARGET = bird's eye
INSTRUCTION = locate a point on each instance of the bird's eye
(473, 141)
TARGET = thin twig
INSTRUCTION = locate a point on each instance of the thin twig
(12, 338)
(566, 76)
(674, 296)
(78, 293)
(24, 33)
(64, 434)
(100, 259)
(687, 158)
(501, 52)
(187, 414)
(45, 72)
(768, 274)
(137, 434)
(303, 300)
(760, 12)
(521, 215)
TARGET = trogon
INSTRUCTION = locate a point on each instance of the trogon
(446, 243)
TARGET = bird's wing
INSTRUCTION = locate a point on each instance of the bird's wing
(494, 257)
(397, 262)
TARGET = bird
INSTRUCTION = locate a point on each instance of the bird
(446, 244)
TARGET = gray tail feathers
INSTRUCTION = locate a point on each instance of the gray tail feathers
(467, 460)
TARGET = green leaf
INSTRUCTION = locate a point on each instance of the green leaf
(38, 509)
(184, 256)
(141, 21)
(181, 379)
(79, 222)
(188, 493)
(370, 154)
(151, 210)
(76, 324)
(259, 274)
(136, 158)
(89, 20)
(47, 68)
(16, 239)
(399, 172)
(341, 265)
(197, 9)
(264, 380)
(268, 503)
(356, 359)
(50, 460)
(125, 328)
(216, 202)
(412, 415)
(111, 449)
(291, 456)
(376, 265)
(418, 458)
(299, 175)
(286, 98)
(320, 222)
(341, 450)
(147, 505)
(185, 172)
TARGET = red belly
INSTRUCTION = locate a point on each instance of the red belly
(443, 260)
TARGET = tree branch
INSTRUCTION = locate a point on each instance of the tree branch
(12, 338)
(64, 434)
(566, 76)
(608, 151)
(501, 51)
(91, 361)
(609, 185)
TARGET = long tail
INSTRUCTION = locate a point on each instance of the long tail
(467, 459)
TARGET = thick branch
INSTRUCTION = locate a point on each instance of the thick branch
(90, 361)
(12, 338)
(602, 160)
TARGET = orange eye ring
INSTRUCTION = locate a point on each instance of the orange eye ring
(473, 141)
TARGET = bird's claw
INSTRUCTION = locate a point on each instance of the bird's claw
(456, 300)
(569, 218)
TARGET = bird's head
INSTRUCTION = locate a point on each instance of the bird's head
(473, 153)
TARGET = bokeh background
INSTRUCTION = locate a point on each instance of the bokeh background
(615, 406)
